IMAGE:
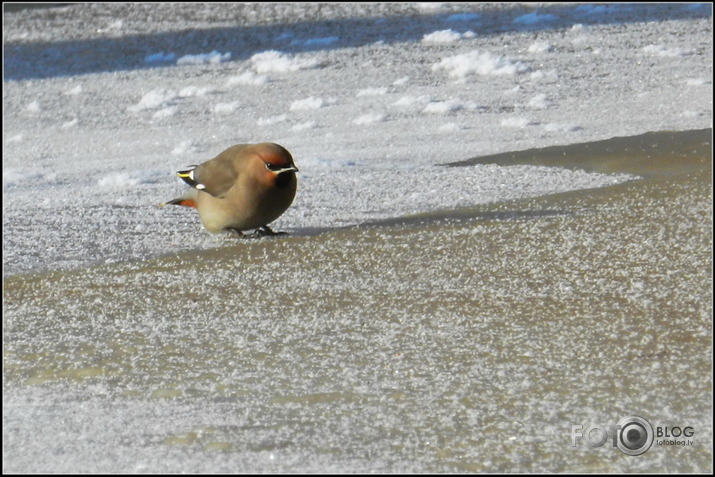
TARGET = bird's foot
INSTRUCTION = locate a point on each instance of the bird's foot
(266, 231)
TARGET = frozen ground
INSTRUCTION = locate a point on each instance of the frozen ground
(443, 348)
(102, 105)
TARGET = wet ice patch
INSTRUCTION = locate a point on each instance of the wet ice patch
(535, 18)
(316, 42)
(591, 10)
(463, 17)
(160, 57)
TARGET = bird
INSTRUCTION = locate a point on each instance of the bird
(246, 187)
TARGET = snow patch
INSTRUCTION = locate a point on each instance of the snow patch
(273, 120)
(516, 123)
(307, 104)
(204, 58)
(539, 47)
(665, 51)
(33, 107)
(446, 36)
(372, 92)
(153, 99)
(77, 90)
(226, 108)
(446, 107)
(538, 102)
(277, 62)
(467, 65)
(190, 91)
(304, 126)
(370, 118)
(247, 78)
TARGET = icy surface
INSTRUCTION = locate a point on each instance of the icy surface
(367, 115)
(371, 349)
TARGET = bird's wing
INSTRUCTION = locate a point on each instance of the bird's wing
(215, 177)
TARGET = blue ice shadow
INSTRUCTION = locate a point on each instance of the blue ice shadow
(39, 60)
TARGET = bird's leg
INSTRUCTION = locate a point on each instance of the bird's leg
(236, 233)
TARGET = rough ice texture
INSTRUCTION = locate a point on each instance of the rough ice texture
(323, 356)
(66, 155)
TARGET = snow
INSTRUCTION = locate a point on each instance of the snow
(307, 103)
(204, 58)
(278, 62)
(372, 100)
(446, 36)
(467, 65)
(153, 99)
(666, 51)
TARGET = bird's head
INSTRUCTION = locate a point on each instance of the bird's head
(278, 163)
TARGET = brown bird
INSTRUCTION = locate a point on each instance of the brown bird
(245, 187)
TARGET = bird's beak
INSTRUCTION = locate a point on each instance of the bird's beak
(286, 169)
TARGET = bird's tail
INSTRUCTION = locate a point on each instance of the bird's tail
(186, 200)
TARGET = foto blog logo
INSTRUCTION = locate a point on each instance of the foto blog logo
(633, 435)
